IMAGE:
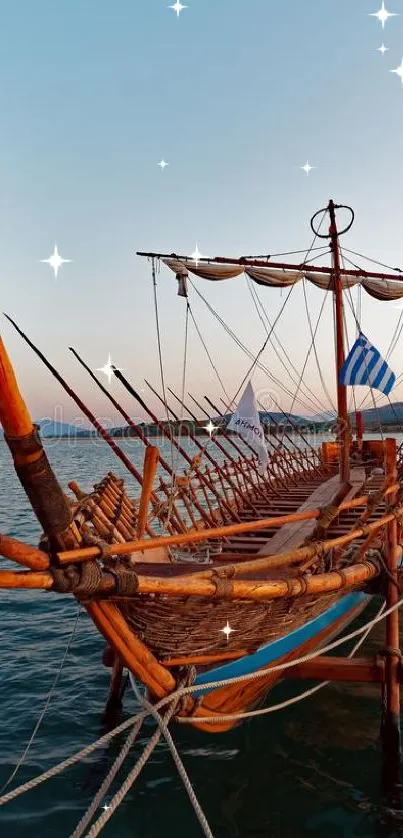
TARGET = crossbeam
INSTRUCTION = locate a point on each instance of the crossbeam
(267, 263)
(327, 668)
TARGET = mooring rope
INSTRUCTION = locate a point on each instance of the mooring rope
(132, 776)
(104, 788)
(179, 764)
(261, 673)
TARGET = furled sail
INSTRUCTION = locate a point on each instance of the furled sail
(380, 288)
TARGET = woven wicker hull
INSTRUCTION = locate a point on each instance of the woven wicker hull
(241, 697)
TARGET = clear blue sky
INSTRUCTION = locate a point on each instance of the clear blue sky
(236, 97)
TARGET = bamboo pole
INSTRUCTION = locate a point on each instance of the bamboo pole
(220, 447)
(223, 504)
(23, 554)
(185, 586)
(239, 501)
(40, 580)
(234, 444)
(179, 523)
(218, 532)
(390, 730)
(151, 457)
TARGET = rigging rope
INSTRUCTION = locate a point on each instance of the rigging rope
(316, 402)
(261, 673)
(244, 349)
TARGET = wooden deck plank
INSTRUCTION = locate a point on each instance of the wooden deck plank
(291, 536)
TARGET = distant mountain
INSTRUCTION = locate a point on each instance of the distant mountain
(51, 429)
(389, 414)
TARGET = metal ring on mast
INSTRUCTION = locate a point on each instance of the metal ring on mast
(326, 209)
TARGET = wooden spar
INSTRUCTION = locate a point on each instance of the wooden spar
(86, 553)
(35, 580)
(179, 523)
(103, 433)
(131, 650)
(342, 409)
(151, 457)
(360, 427)
(23, 554)
(239, 498)
(390, 730)
(258, 263)
(245, 589)
(31, 463)
(222, 502)
(323, 668)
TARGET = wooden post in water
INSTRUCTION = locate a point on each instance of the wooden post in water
(390, 728)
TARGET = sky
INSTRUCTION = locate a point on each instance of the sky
(235, 97)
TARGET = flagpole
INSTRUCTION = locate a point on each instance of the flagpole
(343, 431)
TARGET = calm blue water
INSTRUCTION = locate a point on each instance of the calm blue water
(311, 770)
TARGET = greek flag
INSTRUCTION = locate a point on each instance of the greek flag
(364, 365)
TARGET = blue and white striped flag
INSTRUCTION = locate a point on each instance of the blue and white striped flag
(365, 365)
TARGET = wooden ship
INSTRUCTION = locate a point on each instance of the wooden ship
(217, 571)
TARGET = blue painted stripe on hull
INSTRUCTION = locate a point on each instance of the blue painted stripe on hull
(277, 649)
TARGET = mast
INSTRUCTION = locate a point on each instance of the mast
(343, 423)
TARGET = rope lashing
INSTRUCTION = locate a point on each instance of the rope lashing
(326, 515)
(223, 587)
(160, 509)
(92, 540)
(126, 581)
(390, 651)
(79, 580)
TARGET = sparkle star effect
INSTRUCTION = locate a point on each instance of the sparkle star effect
(398, 71)
(383, 49)
(307, 168)
(196, 256)
(177, 7)
(108, 368)
(210, 428)
(55, 261)
(383, 15)
(227, 630)
(106, 807)
(162, 164)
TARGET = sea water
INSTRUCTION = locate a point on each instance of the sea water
(310, 770)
